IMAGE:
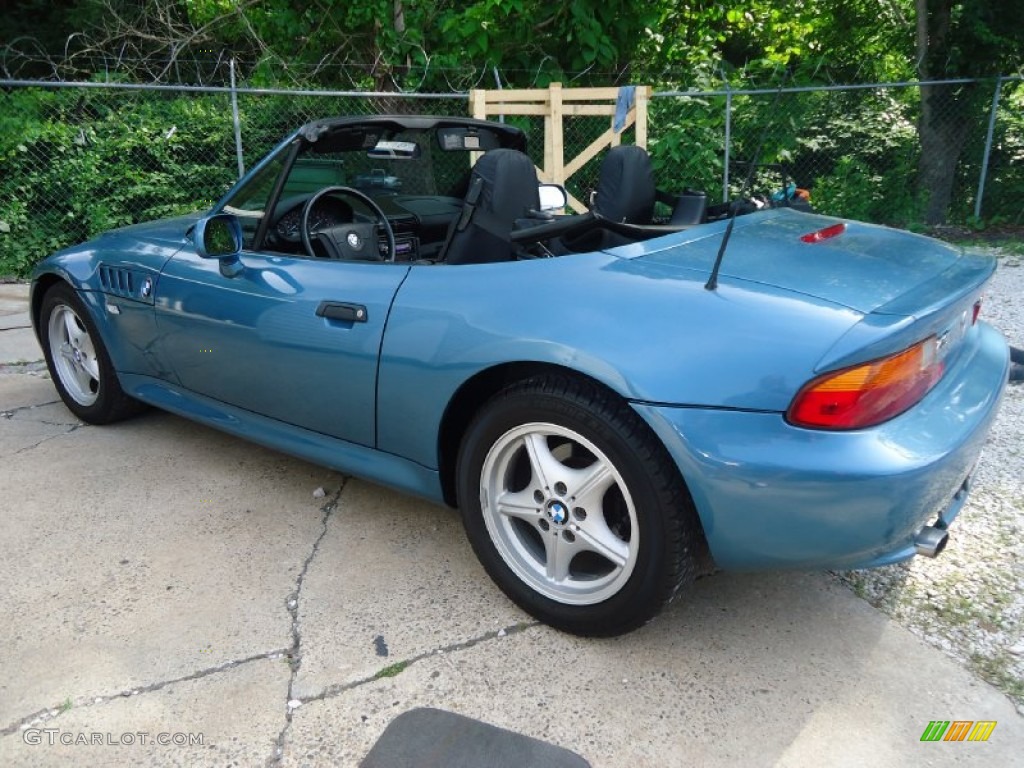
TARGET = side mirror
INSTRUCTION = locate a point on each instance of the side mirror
(220, 237)
(552, 197)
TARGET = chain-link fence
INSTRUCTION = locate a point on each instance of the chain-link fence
(80, 158)
(857, 149)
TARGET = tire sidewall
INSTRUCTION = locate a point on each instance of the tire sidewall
(641, 596)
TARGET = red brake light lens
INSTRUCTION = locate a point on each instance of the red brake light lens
(870, 393)
(824, 234)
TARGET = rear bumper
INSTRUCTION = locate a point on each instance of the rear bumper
(771, 495)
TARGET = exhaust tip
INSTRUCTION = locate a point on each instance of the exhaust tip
(930, 541)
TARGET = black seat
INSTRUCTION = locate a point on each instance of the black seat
(626, 191)
(502, 190)
(625, 188)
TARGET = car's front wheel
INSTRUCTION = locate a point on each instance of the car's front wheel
(574, 507)
(78, 361)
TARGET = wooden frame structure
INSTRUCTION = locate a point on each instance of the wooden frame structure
(554, 104)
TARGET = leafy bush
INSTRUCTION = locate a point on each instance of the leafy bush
(860, 150)
(686, 140)
(852, 190)
(77, 164)
(855, 190)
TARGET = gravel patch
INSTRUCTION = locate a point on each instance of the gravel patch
(969, 602)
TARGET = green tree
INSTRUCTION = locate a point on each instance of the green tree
(534, 42)
(971, 38)
(396, 45)
(379, 44)
(811, 40)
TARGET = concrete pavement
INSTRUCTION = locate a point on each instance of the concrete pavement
(17, 342)
(163, 578)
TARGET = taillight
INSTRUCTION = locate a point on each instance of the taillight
(870, 393)
(977, 311)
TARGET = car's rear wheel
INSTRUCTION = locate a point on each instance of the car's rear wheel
(574, 507)
(78, 361)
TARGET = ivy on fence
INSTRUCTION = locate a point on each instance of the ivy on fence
(77, 161)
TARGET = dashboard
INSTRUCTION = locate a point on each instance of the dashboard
(328, 212)
(420, 222)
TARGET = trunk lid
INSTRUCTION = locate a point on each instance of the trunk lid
(867, 268)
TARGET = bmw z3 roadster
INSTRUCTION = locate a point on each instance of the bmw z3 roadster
(617, 401)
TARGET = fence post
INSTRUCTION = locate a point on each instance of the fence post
(237, 122)
(728, 140)
(497, 80)
(554, 148)
(478, 103)
(641, 102)
(988, 147)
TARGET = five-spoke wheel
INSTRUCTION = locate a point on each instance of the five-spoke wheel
(574, 507)
(78, 361)
(74, 357)
(559, 513)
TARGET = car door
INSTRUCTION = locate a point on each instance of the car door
(294, 339)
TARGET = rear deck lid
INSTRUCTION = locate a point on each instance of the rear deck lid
(864, 267)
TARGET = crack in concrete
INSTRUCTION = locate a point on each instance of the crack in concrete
(293, 654)
(76, 424)
(65, 433)
(336, 690)
(8, 413)
(24, 366)
(292, 606)
(51, 713)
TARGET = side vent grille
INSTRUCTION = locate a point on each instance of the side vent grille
(119, 281)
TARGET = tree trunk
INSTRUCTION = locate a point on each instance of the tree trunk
(383, 71)
(942, 130)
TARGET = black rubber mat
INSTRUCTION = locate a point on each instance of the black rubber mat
(433, 738)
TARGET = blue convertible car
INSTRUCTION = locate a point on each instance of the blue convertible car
(616, 401)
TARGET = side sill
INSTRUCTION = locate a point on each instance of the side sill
(340, 455)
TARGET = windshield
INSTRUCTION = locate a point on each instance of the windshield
(409, 163)
(418, 171)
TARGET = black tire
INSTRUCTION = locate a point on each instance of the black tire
(546, 558)
(84, 377)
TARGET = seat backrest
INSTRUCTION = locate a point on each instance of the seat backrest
(625, 189)
(503, 188)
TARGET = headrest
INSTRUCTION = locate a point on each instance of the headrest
(509, 183)
(625, 189)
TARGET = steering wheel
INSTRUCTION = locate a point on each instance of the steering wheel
(351, 240)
